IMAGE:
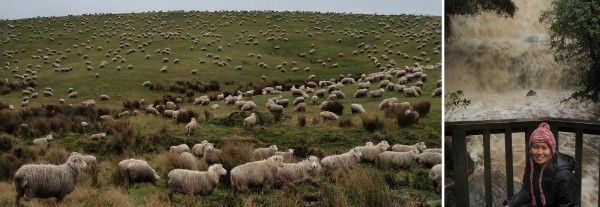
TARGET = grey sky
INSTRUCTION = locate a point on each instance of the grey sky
(19, 9)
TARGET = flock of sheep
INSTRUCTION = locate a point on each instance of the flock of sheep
(271, 165)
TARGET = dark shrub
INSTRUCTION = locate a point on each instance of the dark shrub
(335, 107)
(185, 116)
(301, 120)
(345, 122)
(407, 119)
(208, 115)
(56, 156)
(423, 108)
(371, 122)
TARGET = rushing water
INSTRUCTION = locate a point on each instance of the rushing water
(496, 61)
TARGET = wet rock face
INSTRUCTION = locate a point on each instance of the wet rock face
(477, 190)
(449, 161)
(531, 93)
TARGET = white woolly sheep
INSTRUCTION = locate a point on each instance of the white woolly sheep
(315, 99)
(376, 93)
(435, 174)
(264, 153)
(72, 95)
(189, 159)
(191, 182)
(344, 162)
(43, 142)
(306, 169)
(429, 159)
(288, 156)
(248, 106)
(419, 146)
(410, 92)
(250, 120)
(45, 181)
(92, 166)
(211, 154)
(179, 149)
(301, 107)
(357, 108)
(191, 126)
(151, 110)
(386, 103)
(138, 171)
(360, 93)
(327, 115)
(436, 150)
(104, 97)
(370, 153)
(97, 136)
(437, 92)
(88, 103)
(275, 108)
(398, 159)
(258, 173)
(198, 149)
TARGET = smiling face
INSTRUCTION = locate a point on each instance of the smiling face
(540, 153)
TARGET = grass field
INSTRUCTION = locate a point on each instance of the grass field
(393, 41)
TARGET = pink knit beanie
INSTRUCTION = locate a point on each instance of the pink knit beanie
(541, 134)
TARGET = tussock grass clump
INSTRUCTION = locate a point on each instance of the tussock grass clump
(6, 142)
(345, 122)
(361, 187)
(393, 110)
(335, 107)
(185, 116)
(3, 105)
(13, 159)
(406, 119)
(208, 114)
(371, 122)
(56, 156)
(235, 153)
(301, 120)
(423, 108)
(132, 104)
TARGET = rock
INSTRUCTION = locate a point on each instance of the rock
(531, 93)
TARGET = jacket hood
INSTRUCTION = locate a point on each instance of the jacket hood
(564, 162)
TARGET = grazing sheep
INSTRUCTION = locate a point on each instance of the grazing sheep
(179, 149)
(288, 156)
(370, 153)
(420, 146)
(301, 107)
(198, 149)
(398, 159)
(436, 150)
(258, 173)
(298, 100)
(410, 92)
(275, 108)
(211, 154)
(138, 171)
(151, 110)
(215, 107)
(343, 162)
(191, 126)
(327, 115)
(429, 159)
(387, 102)
(376, 93)
(264, 153)
(106, 118)
(315, 99)
(437, 92)
(357, 108)
(189, 159)
(92, 166)
(88, 103)
(360, 93)
(435, 174)
(250, 121)
(306, 169)
(45, 181)
(97, 136)
(72, 95)
(191, 182)
(248, 106)
(364, 85)
(104, 97)
(43, 142)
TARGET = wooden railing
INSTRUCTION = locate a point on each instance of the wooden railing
(460, 130)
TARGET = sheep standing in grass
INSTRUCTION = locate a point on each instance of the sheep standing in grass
(343, 162)
(248, 106)
(420, 146)
(43, 142)
(264, 153)
(191, 126)
(386, 103)
(398, 159)
(258, 173)
(194, 182)
(437, 92)
(137, 171)
(435, 174)
(376, 93)
(429, 159)
(327, 115)
(92, 166)
(306, 169)
(189, 159)
(198, 149)
(288, 156)
(370, 153)
(357, 108)
(211, 154)
(179, 149)
(45, 181)
(97, 136)
(250, 121)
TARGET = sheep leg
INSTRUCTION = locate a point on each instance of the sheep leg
(18, 197)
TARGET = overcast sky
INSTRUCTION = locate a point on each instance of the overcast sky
(19, 9)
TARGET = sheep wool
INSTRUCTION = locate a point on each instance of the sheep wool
(306, 169)
(420, 146)
(258, 173)
(371, 153)
(212, 154)
(430, 159)
(198, 149)
(194, 182)
(398, 159)
(43, 142)
(45, 181)
(250, 121)
(179, 149)
(343, 162)
(191, 126)
(264, 153)
(138, 171)
(435, 174)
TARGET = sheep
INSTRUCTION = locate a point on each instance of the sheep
(410, 92)
(275, 108)
(298, 100)
(45, 181)
(72, 95)
(191, 126)
(250, 120)
(429, 159)
(264, 153)
(168, 113)
(376, 93)
(194, 182)
(301, 107)
(212, 154)
(104, 97)
(435, 174)
(306, 169)
(43, 142)
(343, 162)
(92, 166)
(436, 150)
(179, 149)
(357, 108)
(398, 159)
(370, 153)
(248, 106)
(420, 146)
(215, 107)
(315, 99)
(437, 92)
(386, 103)
(137, 171)
(327, 115)
(151, 110)
(106, 118)
(88, 103)
(97, 136)
(189, 159)
(288, 156)
(198, 149)
(360, 93)
(364, 85)
(338, 94)
(258, 173)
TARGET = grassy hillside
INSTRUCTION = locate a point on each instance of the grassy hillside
(358, 44)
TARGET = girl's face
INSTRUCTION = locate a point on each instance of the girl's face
(540, 153)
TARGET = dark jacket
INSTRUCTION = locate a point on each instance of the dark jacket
(558, 183)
